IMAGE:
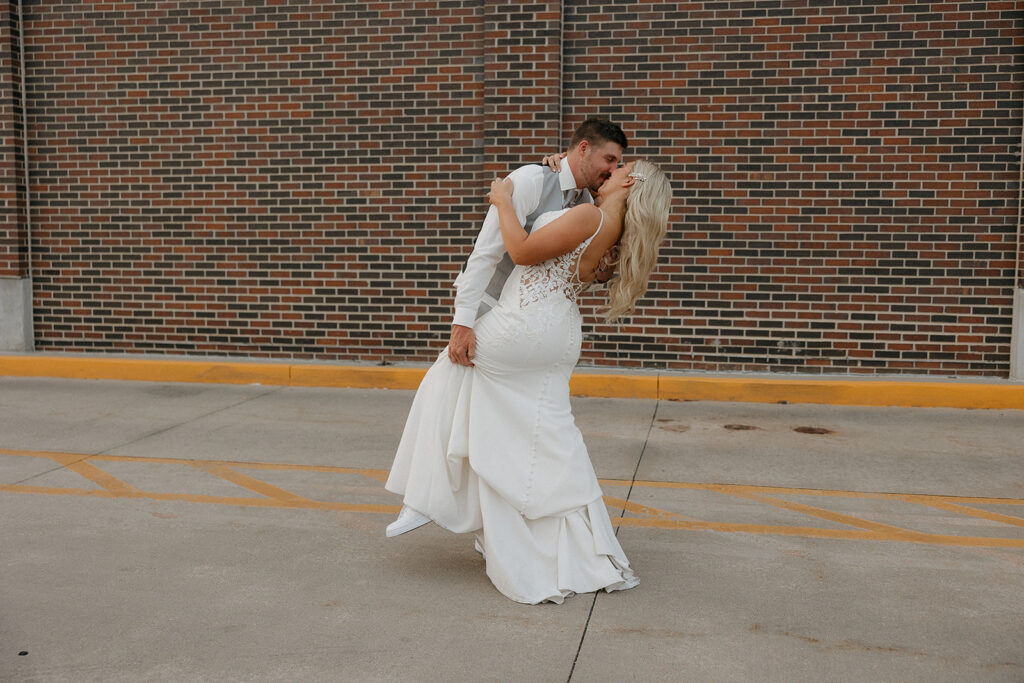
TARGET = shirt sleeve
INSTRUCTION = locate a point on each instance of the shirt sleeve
(527, 183)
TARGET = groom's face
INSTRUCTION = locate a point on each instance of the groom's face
(598, 162)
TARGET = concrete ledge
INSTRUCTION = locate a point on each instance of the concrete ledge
(651, 385)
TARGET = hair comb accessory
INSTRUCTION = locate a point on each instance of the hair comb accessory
(638, 176)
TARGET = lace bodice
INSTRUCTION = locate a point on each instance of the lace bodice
(559, 275)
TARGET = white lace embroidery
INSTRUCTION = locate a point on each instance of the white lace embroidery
(558, 275)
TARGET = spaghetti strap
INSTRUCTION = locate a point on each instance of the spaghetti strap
(583, 246)
(599, 226)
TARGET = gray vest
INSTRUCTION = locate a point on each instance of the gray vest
(551, 199)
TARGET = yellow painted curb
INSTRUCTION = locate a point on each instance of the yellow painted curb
(866, 392)
(614, 386)
(149, 370)
(356, 377)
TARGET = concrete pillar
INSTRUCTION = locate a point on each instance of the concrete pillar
(15, 314)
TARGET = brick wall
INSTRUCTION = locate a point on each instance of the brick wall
(846, 173)
(304, 179)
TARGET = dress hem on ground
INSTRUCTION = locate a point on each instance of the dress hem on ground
(494, 449)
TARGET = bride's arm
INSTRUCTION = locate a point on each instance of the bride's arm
(559, 237)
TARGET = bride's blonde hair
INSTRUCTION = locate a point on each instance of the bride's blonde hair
(644, 227)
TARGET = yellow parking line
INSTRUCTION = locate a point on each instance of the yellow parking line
(827, 515)
(215, 500)
(764, 529)
(378, 475)
(831, 493)
(77, 464)
(969, 511)
(247, 482)
(630, 506)
(645, 516)
(816, 532)
(95, 474)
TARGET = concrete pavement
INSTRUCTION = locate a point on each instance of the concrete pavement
(194, 532)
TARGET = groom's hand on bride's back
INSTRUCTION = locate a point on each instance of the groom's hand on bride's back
(606, 267)
(462, 345)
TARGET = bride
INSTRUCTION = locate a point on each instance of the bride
(492, 448)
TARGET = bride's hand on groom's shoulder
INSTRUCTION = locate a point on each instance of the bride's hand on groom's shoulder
(501, 191)
(554, 161)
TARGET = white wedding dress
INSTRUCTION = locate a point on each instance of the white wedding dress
(493, 449)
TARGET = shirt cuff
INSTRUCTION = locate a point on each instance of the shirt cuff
(465, 317)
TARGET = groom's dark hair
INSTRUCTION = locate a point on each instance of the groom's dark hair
(598, 131)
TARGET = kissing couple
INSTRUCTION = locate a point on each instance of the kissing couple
(490, 446)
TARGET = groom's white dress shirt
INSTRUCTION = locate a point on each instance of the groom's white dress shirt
(528, 191)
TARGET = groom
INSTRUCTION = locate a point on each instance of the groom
(594, 152)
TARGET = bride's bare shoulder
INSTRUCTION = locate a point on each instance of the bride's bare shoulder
(586, 212)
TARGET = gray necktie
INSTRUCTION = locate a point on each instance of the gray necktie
(571, 197)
